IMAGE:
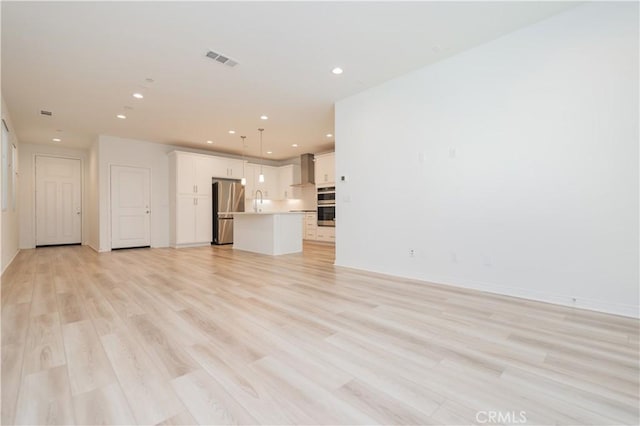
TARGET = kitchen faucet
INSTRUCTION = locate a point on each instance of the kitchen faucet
(255, 201)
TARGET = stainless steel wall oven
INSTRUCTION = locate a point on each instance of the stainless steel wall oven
(327, 206)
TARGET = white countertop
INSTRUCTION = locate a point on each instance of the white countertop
(260, 213)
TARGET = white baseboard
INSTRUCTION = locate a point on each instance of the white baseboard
(10, 262)
(626, 310)
(92, 247)
(190, 245)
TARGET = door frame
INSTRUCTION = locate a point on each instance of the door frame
(34, 196)
(108, 202)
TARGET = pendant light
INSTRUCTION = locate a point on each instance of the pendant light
(261, 177)
(243, 181)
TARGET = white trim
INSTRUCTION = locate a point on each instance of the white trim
(9, 263)
(92, 247)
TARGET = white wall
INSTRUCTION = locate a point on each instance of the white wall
(129, 152)
(9, 221)
(511, 168)
(28, 153)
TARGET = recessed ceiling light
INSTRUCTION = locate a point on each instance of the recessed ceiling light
(121, 116)
(337, 70)
(56, 139)
(269, 152)
(329, 135)
(232, 132)
(264, 117)
(209, 142)
(295, 145)
(138, 95)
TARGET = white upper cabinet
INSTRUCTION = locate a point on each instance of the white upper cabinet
(193, 173)
(250, 187)
(289, 175)
(271, 182)
(325, 168)
(277, 181)
(226, 168)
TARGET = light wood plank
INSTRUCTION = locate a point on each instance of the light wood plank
(165, 351)
(45, 399)
(302, 392)
(380, 406)
(44, 296)
(15, 323)
(89, 367)
(44, 348)
(151, 400)
(184, 418)
(208, 402)
(103, 406)
(11, 375)
(71, 309)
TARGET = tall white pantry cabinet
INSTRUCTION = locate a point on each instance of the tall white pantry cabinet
(190, 201)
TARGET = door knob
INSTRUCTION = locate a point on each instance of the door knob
(147, 211)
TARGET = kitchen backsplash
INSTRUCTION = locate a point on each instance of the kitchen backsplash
(307, 202)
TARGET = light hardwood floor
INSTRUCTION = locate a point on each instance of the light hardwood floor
(215, 336)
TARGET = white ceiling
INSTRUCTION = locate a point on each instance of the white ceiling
(83, 61)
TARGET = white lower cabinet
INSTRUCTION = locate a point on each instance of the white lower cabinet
(314, 232)
(310, 224)
(193, 220)
(326, 233)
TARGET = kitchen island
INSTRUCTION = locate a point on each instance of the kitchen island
(272, 233)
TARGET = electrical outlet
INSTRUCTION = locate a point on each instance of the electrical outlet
(454, 257)
(452, 153)
(412, 253)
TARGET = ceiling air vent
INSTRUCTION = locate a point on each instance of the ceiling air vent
(47, 113)
(218, 57)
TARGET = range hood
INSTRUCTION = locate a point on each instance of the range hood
(307, 170)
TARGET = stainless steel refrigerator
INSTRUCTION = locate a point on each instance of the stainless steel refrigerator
(228, 196)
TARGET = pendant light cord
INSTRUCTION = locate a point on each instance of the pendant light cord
(261, 158)
(243, 146)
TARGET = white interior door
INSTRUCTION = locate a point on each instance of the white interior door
(58, 201)
(130, 213)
